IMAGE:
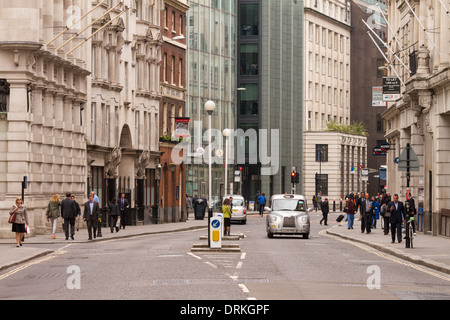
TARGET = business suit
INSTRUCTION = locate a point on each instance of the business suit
(69, 212)
(123, 205)
(91, 217)
(324, 206)
(397, 212)
(366, 215)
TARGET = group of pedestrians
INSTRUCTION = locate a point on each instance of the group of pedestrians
(70, 211)
(393, 213)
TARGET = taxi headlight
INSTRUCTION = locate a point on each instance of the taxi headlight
(274, 219)
(303, 219)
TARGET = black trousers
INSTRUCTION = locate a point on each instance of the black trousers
(122, 218)
(92, 225)
(396, 228)
(261, 209)
(366, 222)
(324, 218)
(386, 225)
(113, 222)
(67, 222)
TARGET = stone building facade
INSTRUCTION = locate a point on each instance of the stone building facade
(421, 117)
(172, 189)
(331, 159)
(80, 102)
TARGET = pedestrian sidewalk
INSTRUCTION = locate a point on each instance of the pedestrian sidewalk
(429, 251)
(41, 245)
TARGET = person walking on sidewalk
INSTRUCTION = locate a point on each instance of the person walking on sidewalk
(226, 210)
(188, 205)
(114, 212)
(325, 207)
(366, 214)
(53, 212)
(68, 212)
(262, 203)
(350, 210)
(90, 215)
(385, 213)
(77, 212)
(376, 212)
(123, 206)
(21, 221)
(397, 211)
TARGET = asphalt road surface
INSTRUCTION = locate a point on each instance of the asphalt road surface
(163, 267)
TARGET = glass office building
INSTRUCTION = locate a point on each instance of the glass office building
(270, 45)
(211, 75)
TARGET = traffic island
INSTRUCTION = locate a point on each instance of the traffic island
(228, 247)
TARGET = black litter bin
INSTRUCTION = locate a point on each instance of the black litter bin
(200, 205)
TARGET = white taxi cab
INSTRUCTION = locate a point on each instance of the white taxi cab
(288, 214)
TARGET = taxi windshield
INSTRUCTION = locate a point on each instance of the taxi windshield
(288, 205)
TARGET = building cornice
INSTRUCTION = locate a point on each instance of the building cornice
(327, 18)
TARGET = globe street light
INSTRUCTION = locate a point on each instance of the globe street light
(226, 133)
(210, 106)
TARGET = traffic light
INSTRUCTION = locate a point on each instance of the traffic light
(297, 177)
(293, 177)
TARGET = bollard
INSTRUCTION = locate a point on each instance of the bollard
(334, 205)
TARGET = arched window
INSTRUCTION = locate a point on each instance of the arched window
(4, 95)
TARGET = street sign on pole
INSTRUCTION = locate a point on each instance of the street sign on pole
(408, 161)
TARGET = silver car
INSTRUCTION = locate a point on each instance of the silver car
(288, 214)
(238, 211)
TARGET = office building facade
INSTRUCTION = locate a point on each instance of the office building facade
(270, 42)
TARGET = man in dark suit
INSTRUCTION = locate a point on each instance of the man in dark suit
(123, 206)
(397, 211)
(90, 215)
(366, 214)
(324, 206)
(68, 212)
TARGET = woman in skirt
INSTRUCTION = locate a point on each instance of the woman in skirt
(21, 221)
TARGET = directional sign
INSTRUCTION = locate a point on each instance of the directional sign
(413, 160)
(378, 151)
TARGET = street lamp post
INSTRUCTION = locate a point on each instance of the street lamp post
(226, 133)
(210, 106)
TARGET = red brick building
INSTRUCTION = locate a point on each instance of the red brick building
(173, 91)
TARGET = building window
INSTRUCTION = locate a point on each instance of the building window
(249, 99)
(322, 184)
(321, 152)
(150, 187)
(97, 183)
(173, 21)
(172, 70)
(4, 95)
(380, 127)
(165, 67)
(249, 15)
(180, 72)
(249, 59)
(93, 123)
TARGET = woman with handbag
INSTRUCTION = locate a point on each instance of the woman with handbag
(53, 212)
(20, 222)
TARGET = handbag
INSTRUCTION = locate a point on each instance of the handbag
(12, 218)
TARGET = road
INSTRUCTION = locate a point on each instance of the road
(163, 267)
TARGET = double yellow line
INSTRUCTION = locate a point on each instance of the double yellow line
(31, 263)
